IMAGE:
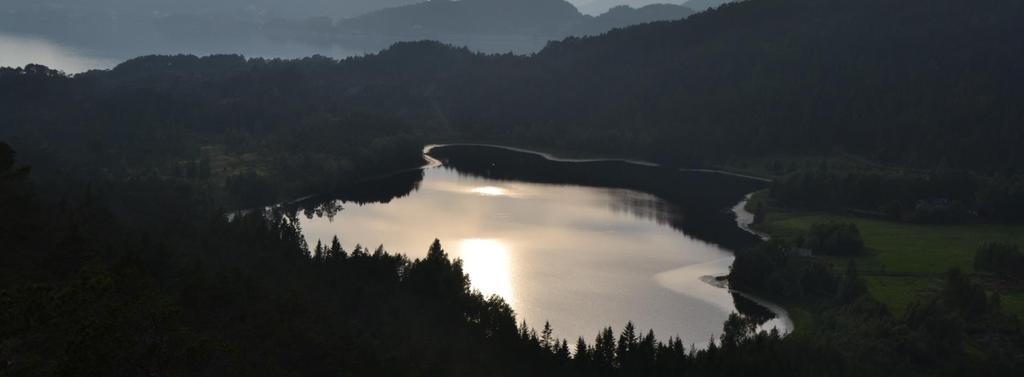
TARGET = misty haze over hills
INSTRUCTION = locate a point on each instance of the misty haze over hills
(115, 30)
(268, 8)
(537, 19)
(296, 8)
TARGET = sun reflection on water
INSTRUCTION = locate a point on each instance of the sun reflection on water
(486, 261)
(490, 191)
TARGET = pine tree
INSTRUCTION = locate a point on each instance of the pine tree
(712, 348)
(644, 353)
(604, 348)
(562, 351)
(546, 339)
(582, 357)
(336, 250)
(358, 251)
(436, 252)
(627, 343)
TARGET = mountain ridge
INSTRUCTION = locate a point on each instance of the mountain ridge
(536, 18)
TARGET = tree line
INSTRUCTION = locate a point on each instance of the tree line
(934, 197)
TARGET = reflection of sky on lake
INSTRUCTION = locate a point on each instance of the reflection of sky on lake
(583, 258)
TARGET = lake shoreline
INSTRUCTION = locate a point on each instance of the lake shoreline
(677, 280)
(743, 218)
(640, 162)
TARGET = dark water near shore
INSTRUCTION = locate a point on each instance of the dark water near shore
(583, 245)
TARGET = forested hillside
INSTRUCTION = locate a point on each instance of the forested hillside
(890, 82)
(894, 82)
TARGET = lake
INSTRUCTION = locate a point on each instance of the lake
(582, 244)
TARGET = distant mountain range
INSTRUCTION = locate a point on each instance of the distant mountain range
(468, 17)
(703, 5)
(596, 7)
(162, 26)
(622, 16)
(554, 19)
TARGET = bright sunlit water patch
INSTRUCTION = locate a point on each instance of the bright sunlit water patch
(490, 191)
(486, 261)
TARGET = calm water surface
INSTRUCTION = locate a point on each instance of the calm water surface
(580, 257)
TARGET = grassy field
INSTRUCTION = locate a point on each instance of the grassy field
(905, 260)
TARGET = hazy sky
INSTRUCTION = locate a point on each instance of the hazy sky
(339, 8)
(90, 44)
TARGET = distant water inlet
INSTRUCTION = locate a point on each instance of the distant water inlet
(583, 245)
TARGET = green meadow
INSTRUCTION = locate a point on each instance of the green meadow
(904, 261)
